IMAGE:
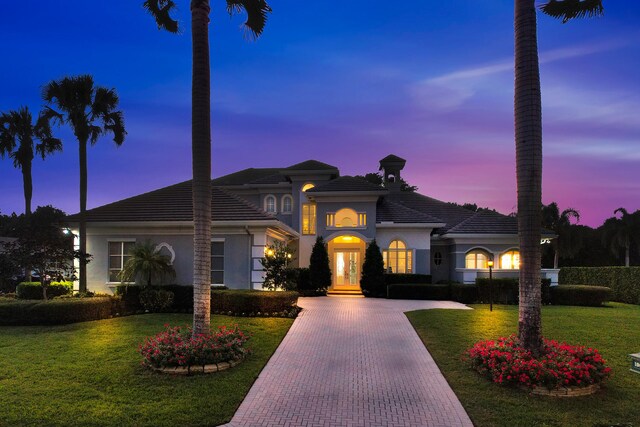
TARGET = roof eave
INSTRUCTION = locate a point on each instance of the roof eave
(387, 224)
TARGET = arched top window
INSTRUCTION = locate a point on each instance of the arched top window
(346, 218)
(270, 204)
(307, 186)
(510, 260)
(476, 258)
(287, 204)
(397, 258)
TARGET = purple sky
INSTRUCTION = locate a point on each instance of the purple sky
(345, 84)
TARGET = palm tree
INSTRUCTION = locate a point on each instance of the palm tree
(17, 136)
(91, 112)
(622, 232)
(559, 222)
(528, 137)
(146, 261)
(161, 10)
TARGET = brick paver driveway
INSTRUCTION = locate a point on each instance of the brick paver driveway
(352, 362)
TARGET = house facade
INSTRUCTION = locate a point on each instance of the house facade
(254, 208)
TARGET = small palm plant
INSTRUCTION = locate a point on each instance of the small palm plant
(146, 262)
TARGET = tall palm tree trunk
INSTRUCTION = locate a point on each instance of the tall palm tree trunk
(201, 152)
(528, 130)
(83, 208)
(27, 184)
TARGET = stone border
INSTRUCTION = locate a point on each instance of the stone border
(198, 369)
(565, 391)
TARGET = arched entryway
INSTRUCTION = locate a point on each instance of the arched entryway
(346, 255)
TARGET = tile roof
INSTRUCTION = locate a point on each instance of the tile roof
(486, 222)
(388, 211)
(346, 183)
(448, 212)
(311, 165)
(174, 203)
(392, 158)
(246, 176)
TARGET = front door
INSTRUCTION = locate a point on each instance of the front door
(347, 269)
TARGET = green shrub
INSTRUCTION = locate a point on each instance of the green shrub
(319, 270)
(465, 294)
(418, 291)
(506, 290)
(33, 290)
(58, 311)
(130, 297)
(155, 300)
(591, 296)
(182, 296)
(623, 281)
(372, 281)
(237, 302)
(396, 278)
(302, 279)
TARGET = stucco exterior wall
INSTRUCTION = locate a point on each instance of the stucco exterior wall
(416, 239)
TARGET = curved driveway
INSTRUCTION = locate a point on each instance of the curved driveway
(352, 362)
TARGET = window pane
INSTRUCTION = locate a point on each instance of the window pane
(115, 262)
(217, 277)
(409, 262)
(113, 275)
(217, 248)
(481, 260)
(470, 261)
(128, 246)
(393, 261)
(217, 263)
(115, 248)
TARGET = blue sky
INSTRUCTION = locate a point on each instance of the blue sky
(346, 84)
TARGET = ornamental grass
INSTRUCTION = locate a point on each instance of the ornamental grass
(176, 346)
(505, 362)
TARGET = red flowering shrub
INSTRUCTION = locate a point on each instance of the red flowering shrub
(560, 365)
(175, 346)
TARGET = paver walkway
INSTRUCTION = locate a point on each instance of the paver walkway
(352, 362)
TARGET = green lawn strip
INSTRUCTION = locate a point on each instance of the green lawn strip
(90, 374)
(613, 330)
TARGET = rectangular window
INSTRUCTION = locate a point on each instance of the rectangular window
(118, 256)
(308, 218)
(217, 262)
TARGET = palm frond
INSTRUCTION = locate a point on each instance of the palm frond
(257, 13)
(571, 9)
(114, 123)
(161, 11)
(42, 131)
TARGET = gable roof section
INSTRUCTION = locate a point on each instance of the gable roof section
(388, 211)
(347, 183)
(174, 203)
(248, 176)
(311, 165)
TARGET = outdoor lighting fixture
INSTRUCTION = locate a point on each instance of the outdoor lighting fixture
(269, 252)
(635, 363)
(490, 264)
(289, 256)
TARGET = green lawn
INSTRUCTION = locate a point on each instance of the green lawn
(90, 374)
(614, 330)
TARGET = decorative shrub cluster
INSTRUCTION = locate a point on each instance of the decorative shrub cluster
(156, 300)
(255, 303)
(560, 365)
(175, 346)
(591, 296)
(395, 278)
(623, 281)
(301, 277)
(505, 290)
(33, 290)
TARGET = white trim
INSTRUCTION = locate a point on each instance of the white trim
(275, 203)
(169, 248)
(218, 239)
(282, 211)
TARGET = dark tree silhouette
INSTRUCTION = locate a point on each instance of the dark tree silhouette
(319, 271)
(372, 281)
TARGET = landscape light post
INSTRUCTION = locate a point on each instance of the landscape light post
(490, 264)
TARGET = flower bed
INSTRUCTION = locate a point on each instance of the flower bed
(560, 366)
(175, 350)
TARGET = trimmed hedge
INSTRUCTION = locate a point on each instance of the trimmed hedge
(33, 290)
(465, 294)
(302, 278)
(591, 296)
(506, 290)
(398, 278)
(418, 291)
(623, 281)
(246, 302)
(58, 311)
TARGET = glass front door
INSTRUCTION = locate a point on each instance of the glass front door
(347, 268)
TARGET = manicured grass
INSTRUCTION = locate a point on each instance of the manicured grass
(613, 330)
(90, 374)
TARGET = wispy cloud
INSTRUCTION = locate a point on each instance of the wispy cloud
(449, 91)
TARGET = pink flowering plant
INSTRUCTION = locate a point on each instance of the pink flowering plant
(505, 362)
(175, 346)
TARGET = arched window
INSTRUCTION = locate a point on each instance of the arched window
(437, 258)
(398, 258)
(308, 186)
(270, 204)
(287, 204)
(346, 218)
(510, 260)
(476, 258)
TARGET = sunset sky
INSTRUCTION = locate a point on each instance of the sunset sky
(345, 83)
